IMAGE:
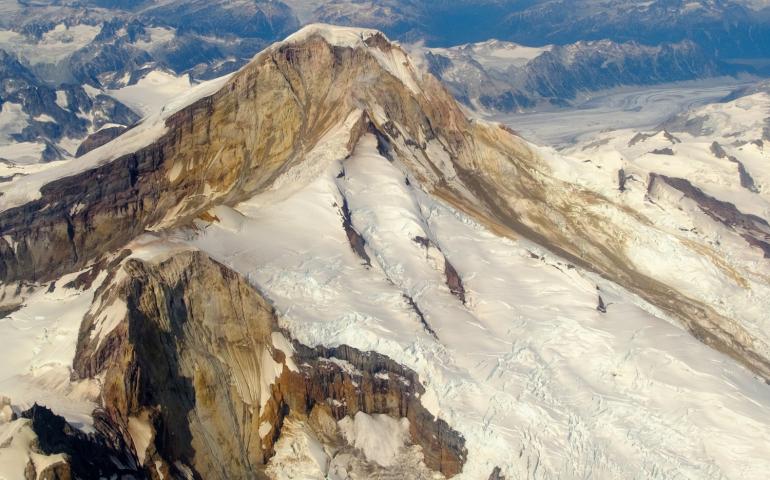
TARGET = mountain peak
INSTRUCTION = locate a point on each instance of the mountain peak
(335, 35)
(327, 246)
(389, 54)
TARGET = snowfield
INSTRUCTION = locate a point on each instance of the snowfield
(723, 139)
(536, 379)
(39, 341)
(154, 89)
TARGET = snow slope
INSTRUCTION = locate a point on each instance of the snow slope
(684, 147)
(152, 91)
(39, 342)
(538, 380)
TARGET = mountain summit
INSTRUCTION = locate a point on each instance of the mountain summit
(320, 267)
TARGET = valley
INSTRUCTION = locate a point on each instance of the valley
(635, 108)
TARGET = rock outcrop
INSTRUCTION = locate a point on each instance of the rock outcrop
(97, 139)
(103, 454)
(755, 230)
(195, 359)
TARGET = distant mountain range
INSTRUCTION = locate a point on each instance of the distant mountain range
(92, 48)
(727, 28)
(504, 76)
(103, 40)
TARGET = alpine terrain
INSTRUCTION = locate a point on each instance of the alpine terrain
(322, 266)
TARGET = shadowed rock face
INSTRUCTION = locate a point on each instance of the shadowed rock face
(357, 242)
(97, 139)
(103, 454)
(453, 281)
(196, 356)
(496, 474)
(747, 181)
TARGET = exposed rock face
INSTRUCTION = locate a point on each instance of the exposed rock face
(601, 307)
(96, 140)
(662, 151)
(225, 147)
(453, 281)
(99, 455)
(747, 181)
(410, 301)
(496, 474)
(376, 385)
(755, 230)
(357, 242)
(197, 355)
(622, 179)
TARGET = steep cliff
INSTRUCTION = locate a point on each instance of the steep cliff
(196, 370)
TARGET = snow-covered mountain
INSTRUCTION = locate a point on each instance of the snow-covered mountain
(319, 267)
(102, 42)
(731, 29)
(506, 77)
(111, 45)
(42, 123)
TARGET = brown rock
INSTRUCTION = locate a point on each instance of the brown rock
(195, 348)
(97, 139)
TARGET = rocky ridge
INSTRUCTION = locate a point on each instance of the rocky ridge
(197, 367)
